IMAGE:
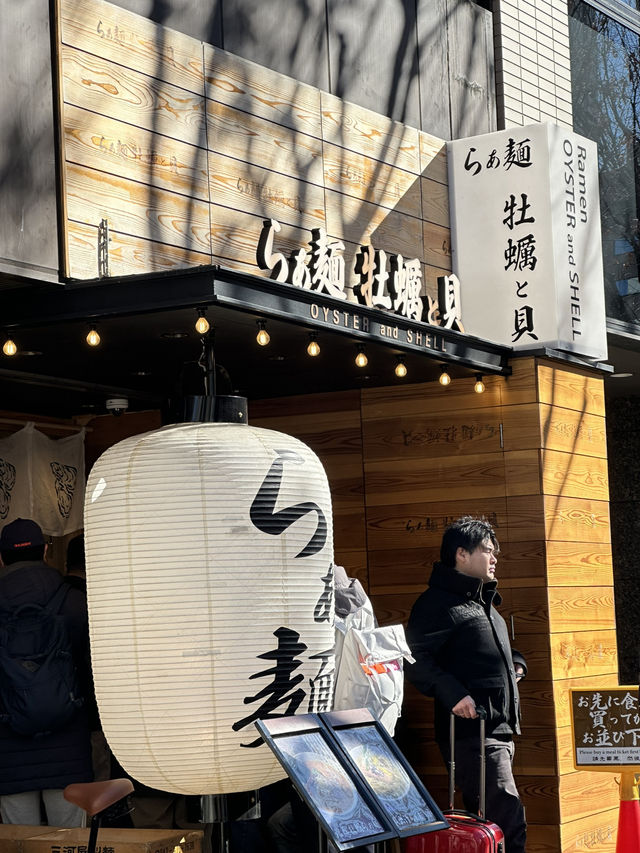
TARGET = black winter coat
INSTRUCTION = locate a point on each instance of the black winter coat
(461, 646)
(64, 756)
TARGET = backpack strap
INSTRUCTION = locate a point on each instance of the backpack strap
(58, 598)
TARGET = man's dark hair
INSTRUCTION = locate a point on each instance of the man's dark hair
(468, 533)
(32, 554)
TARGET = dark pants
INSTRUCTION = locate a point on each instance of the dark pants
(503, 804)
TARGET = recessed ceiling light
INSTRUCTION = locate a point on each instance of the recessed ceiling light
(174, 335)
(620, 375)
(141, 373)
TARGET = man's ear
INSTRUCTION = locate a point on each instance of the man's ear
(461, 556)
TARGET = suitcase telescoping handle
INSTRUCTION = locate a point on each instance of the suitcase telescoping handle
(482, 714)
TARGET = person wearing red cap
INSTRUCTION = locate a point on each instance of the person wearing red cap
(34, 770)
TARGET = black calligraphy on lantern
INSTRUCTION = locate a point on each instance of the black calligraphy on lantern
(323, 611)
(263, 513)
(321, 685)
(281, 689)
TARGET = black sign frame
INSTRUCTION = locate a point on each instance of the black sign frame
(392, 768)
(301, 735)
(325, 780)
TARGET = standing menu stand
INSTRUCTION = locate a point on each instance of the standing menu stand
(352, 776)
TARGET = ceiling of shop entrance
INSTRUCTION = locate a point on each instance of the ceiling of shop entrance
(149, 358)
(152, 357)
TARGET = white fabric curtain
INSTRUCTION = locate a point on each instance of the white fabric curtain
(43, 478)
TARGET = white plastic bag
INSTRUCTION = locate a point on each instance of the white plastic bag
(370, 672)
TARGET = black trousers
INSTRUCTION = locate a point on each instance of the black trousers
(503, 804)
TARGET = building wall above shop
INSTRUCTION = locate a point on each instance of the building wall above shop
(427, 63)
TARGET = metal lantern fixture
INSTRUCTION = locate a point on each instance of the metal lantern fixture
(210, 591)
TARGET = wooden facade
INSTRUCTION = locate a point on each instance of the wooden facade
(530, 455)
(185, 150)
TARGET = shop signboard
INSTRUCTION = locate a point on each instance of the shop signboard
(606, 729)
(525, 235)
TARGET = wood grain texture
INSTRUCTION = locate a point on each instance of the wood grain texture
(135, 153)
(573, 431)
(466, 477)
(261, 92)
(577, 519)
(597, 833)
(526, 610)
(521, 386)
(583, 653)
(417, 524)
(522, 472)
(136, 209)
(365, 132)
(521, 564)
(581, 609)
(525, 520)
(254, 139)
(580, 390)
(366, 179)
(521, 426)
(133, 41)
(433, 157)
(127, 254)
(574, 475)
(94, 83)
(437, 246)
(583, 794)
(433, 435)
(362, 222)
(414, 400)
(575, 564)
(435, 202)
(266, 194)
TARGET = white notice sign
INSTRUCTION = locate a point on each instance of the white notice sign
(525, 231)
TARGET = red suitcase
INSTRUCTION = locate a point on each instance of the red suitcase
(467, 833)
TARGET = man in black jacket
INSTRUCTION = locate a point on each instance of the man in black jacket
(464, 660)
(34, 770)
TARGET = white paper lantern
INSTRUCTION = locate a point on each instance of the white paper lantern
(210, 589)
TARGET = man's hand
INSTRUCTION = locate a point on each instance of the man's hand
(466, 707)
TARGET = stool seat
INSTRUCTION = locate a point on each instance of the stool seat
(95, 797)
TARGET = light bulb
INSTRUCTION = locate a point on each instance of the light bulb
(445, 379)
(93, 338)
(361, 358)
(263, 337)
(314, 347)
(479, 386)
(9, 347)
(202, 324)
(401, 369)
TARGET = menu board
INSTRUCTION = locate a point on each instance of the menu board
(606, 729)
(352, 776)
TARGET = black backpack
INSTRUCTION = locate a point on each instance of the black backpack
(38, 680)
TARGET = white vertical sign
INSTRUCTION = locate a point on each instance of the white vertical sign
(525, 231)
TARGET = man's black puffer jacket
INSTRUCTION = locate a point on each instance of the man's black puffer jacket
(461, 646)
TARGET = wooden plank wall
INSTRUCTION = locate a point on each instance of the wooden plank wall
(530, 455)
(186, 149)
